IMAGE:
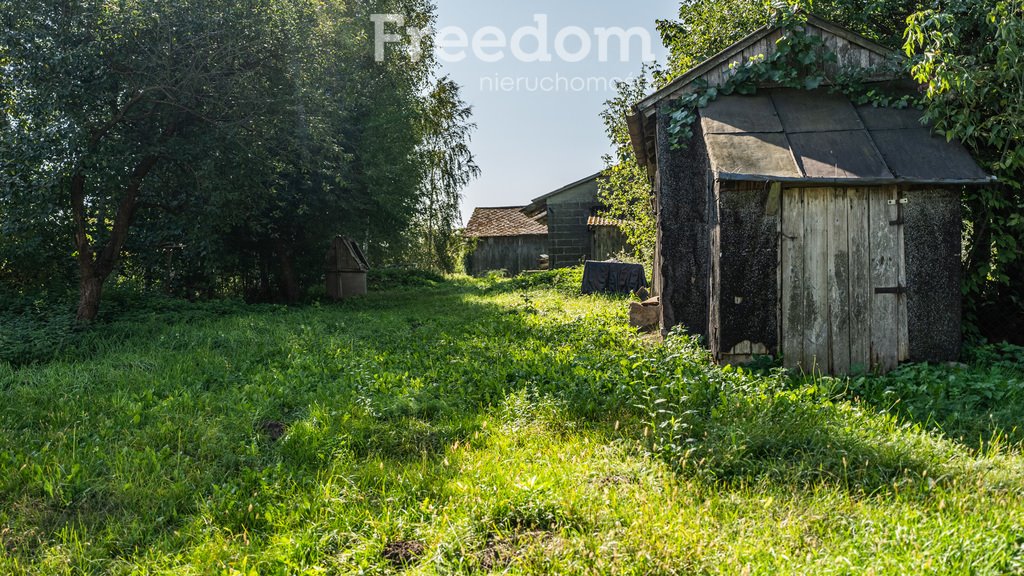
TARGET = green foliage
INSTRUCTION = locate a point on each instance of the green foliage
(624, 187)
(567, 281)
(978, 403)
(967, 55)
(210, 148)
(449, 166)
(34, 330)
(398, 278)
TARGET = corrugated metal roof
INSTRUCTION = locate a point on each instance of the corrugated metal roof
(501, 222)
(817, 137)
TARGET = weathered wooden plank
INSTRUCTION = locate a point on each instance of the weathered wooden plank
(861, 289)
(902, 327)
(792, 248)
(839, 281)
(816, 344)
(884, 274)
(832, 45)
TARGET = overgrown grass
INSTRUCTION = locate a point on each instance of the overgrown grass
(484, 426)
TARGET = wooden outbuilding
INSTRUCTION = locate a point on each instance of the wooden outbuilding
(563, 225)
(796, 223)
(505, 239)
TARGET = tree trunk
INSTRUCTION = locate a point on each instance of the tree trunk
(90, 288)
(289, 282)
(95, 266)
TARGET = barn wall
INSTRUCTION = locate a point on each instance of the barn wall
(568, 212)
(512, 253)
(685, 217)
(607, 242)
(568, 232)
(745, 289)
(932, 253)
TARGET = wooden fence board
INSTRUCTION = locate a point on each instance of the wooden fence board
(884, 339)
(838, 253)
(791, 246)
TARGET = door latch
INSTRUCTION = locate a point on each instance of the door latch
(899, 221)
(891, 290)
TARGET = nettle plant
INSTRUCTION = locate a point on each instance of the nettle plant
(798, 62)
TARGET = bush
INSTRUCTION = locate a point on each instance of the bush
(34, 330)
(565, 280)
(397, 278)
(975, 403)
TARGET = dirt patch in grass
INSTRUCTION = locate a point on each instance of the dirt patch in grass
(402, 553)
(502, 551)
(273, 429)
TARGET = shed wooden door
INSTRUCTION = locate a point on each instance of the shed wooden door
(843, 309)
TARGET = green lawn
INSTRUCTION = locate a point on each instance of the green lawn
(489, 427)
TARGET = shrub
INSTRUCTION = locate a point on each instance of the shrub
(397, 278)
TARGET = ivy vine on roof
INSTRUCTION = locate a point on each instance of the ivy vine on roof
(798, 62)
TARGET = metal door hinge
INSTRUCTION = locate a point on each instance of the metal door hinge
(891, 290)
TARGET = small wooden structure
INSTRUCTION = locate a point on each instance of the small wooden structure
(505, 239)
(606, 238)
(345, 268)
(796, 223)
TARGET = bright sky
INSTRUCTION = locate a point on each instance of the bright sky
(541, 130)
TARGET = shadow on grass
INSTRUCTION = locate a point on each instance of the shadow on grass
(155, 429)
(980, 405)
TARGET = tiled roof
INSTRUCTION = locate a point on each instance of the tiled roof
(497, 222)
(602, 221)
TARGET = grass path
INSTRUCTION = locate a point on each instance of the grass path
(464, 429)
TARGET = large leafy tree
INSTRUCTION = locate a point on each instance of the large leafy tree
(211, 145)
(969, 56)
(116, 92)
(448, 166)
(624, 188)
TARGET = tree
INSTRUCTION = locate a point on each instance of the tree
(624, 188)
(128, 87)
(449, 166)
(968, 55)
(212, 146)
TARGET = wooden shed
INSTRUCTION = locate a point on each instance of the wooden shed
(505, 239)
(796, 223)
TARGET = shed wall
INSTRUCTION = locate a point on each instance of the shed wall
(932, 250)
(745, 289)
(511, 253)
(685, 217)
